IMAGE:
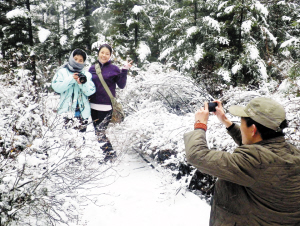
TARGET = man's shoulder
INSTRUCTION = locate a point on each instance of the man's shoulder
(270, 151)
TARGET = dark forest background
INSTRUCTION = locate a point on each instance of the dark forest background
(217, 43)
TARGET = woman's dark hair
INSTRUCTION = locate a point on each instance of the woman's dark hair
(106, 46)
(265, 132)
(79, 52)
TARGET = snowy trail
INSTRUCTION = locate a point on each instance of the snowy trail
(145, 197)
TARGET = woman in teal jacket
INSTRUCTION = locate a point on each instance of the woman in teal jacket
(74, 91)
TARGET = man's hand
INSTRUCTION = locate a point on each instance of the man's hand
(202, 114)
(221, 114)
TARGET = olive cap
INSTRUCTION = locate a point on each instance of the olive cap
(265, 111)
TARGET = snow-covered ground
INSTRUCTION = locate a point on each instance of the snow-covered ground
(137, 194)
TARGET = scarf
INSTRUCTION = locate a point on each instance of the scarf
(73, 65)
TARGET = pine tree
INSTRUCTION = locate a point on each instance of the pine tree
(4, 6)
(159, 13)
(131, 26)
(239, 47)
(52, 45)
(284, 24)
(17, 38)
(83, 24)
(220, 42)
(186, 33)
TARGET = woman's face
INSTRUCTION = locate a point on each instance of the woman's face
(104, 55)
(79, 59)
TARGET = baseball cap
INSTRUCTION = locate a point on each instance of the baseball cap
(265, 111)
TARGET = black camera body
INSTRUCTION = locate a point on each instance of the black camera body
(212, 106)
(82, 78)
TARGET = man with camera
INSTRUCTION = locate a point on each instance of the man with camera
(75, 85)
(259, 183)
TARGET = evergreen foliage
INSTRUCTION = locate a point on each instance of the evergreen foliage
(16, 34)
(131, 26)
(215, 42)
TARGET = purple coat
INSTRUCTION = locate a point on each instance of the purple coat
(112, 76)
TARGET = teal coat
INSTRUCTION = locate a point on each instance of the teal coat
(71, 92)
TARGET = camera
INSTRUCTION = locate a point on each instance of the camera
(212, 106)
(82, 78)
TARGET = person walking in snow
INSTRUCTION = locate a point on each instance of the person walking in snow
(259, 183)
(75, 85)
(101, 108)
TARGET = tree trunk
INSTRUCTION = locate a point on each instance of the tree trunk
(240, 32)
(87, 16)
(32, 58)
(136, 32)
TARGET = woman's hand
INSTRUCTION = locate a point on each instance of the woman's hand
(76, 77)
(128, 65)
(202, 114)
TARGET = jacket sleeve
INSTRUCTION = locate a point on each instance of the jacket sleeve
(236, 135)
(61, 81)
(240, 167)
(122, 78)
(88, 88)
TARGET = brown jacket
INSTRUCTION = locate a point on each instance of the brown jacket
(258, 184)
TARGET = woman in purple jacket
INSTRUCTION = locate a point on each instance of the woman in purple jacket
(101, 108)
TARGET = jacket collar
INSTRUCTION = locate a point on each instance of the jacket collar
(272, 140)
(107, 63)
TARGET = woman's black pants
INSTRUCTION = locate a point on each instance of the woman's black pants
(101, 120)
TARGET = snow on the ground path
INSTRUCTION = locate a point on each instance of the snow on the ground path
(145, 197)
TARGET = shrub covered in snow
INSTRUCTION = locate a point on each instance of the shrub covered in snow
(43, 161)
(160, 106)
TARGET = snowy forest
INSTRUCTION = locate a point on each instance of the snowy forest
(184, 52)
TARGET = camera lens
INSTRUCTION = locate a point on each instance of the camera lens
(212, 106)
(82, 78)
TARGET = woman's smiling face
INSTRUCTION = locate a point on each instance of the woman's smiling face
(104, 55)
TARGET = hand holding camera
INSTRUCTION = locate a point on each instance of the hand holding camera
(219, 112)
(203, 113)
(212, 106)
(80, 78)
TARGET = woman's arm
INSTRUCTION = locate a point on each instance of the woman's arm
(88, 88)
(61, 81)
(122, 78)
